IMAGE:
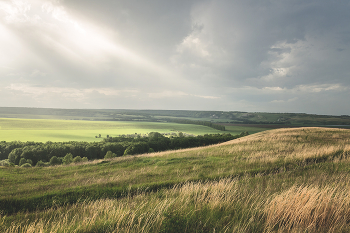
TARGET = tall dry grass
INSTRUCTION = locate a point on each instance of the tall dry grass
(227, 205)
(313, 204)
(290, 144)
(309, 209)
(147, 213)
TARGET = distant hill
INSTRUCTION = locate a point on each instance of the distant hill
(228, 117)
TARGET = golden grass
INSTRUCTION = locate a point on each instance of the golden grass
(269, 146)
(301, 204)
(288, 144)
(141, 213)
(309, 209)
(300, 208)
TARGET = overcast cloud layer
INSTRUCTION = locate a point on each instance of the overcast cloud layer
(267, 55)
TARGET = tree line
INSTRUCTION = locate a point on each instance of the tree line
(195, 122)
(52, 153)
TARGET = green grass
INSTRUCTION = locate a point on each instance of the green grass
(236, 186)
(42, 130)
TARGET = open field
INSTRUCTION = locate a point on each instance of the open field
(237, 186)
(234, 117)
(42, 130)
(68, 130)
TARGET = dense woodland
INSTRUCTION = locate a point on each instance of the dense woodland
(53, 153)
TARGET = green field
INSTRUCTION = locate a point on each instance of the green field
(234, 117)
(42, 130)
(282, 180)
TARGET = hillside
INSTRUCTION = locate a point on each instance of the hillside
(273, 181)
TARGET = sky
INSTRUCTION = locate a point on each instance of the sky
(227, 55)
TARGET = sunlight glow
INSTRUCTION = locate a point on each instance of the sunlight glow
(78, 41)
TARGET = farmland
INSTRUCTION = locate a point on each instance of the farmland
(232, 117)
(42, 130)
(238, 186)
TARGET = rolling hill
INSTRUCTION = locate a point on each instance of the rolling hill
(279, 180)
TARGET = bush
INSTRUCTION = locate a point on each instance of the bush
(84, 159)
(30, 161)
(22, 161)
(77, 159)
(40, 164)
(68, 158)
(110, 155)
(55, 161)
(5, 162)
(26, 165)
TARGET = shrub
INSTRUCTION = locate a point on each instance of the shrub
(22, 161)
(55, 161)
(30, 161)
(26, 165)
(5, 162)
(68, 158)
(77, 159)
(84, 159)
(110, 155)
(40, 164)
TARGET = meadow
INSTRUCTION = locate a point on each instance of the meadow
(281, 180)
(43, 130)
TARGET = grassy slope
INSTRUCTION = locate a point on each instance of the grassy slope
(43, 130)
(246, 182)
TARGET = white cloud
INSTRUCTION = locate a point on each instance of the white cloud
(285, 101)
(16, 11)
(274, 88)
(228, 55)
(194, 45)
(175, 94)
(72, 94)
(322, 88)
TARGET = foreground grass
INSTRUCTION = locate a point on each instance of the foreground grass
(286, 180)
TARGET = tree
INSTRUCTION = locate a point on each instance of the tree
(137, 148)
(40, 164)
(68, 158)
(55, 161)
(155, 136)
(77, 159)
(15, 155)
(22, 161)
(110, 155)
(26, 165)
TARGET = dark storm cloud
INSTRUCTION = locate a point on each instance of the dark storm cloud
(221, 55)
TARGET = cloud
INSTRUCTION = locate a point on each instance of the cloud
(16, 11)
(214, 55)
(285, 101)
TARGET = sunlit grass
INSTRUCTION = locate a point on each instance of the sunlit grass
(43, 130)
(284, 180)
(310, 208)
